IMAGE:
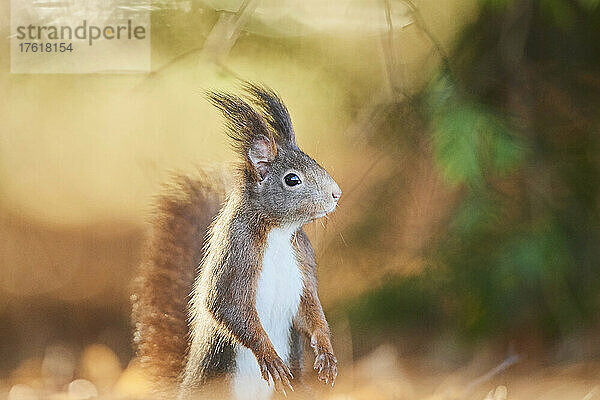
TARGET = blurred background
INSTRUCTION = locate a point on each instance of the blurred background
(463, 262)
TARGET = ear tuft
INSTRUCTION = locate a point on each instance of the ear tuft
(251, 136)
(274, 111)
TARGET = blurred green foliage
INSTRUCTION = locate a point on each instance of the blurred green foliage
(513, 122)
(468, 138)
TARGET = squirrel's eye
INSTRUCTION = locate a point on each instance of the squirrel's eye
(292, 179)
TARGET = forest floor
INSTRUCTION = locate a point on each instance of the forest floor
(382, 374)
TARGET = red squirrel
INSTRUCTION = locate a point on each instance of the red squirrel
(251, 272)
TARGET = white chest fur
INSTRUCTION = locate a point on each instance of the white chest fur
(278, 294)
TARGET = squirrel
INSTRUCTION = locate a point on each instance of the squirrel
(226, 295)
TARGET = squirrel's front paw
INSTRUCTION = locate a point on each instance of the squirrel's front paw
(326, 367)
(325, 361)
(280, 373)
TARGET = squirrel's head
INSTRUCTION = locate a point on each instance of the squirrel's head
(281, 181)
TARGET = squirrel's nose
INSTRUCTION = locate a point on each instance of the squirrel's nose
(336, 193)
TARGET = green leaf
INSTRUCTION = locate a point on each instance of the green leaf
(469, 140)
(456, 143)
(505, 150)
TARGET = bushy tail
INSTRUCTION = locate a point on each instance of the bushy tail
(165, 277)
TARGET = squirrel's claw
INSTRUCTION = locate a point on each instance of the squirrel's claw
(279, 372)
(326, 367)
(264, 371)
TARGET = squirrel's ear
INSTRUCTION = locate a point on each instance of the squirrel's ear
(261, 153)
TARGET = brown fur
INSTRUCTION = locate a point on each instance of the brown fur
(310, 320)
(165, 276)
(226, 289)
